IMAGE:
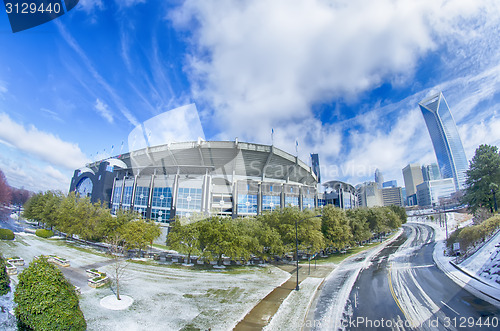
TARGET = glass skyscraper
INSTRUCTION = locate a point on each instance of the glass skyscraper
(448, 147)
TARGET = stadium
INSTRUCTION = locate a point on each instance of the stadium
(228, 178)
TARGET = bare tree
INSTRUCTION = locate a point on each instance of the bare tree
(117, 252)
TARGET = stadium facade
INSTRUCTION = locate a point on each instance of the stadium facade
(229, 178)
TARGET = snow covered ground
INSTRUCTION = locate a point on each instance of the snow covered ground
(165, 298)
(485, 263)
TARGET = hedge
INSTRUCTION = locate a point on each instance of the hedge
(46, 300)
(4, 278)
(6, 234)
(44, 233)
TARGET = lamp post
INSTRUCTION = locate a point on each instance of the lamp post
(297, 246)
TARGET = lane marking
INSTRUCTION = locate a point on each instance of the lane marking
(415, 267)
(453, 310)
(394, 295)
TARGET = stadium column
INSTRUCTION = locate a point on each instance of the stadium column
(150, 198)
(301, 196)
(112, 193)
(282, 197)
(175, 190)
(259, 199)
(123, 189)
(341, 197)
(205, 189)
(235, 197)
(132, 201)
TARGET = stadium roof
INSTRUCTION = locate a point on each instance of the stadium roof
(217, 158)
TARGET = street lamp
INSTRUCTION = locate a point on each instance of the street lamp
(297, 246)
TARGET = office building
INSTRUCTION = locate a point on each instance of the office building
(430, 192)
(412, 175)
(430, 172)
(369, 195)
(392, 196)
(390, 183)
(443, 131)
(339, 194)
(379, 178)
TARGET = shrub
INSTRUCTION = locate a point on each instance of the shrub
(4, 278)
(46, 300)
(6, 234)
(44, 233)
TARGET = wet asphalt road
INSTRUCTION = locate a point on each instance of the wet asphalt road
(399, 288)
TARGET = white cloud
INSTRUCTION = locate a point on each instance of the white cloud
(42, 145)
(264, 64)
(103, 110)
(3, 87)
(22, 170)
(129, 3)
(274, 59)
(485, 132)
(89, 6)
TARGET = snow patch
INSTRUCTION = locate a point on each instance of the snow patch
(112, 303)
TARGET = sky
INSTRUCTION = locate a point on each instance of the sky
(340, 78)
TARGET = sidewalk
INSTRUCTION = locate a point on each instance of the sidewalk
(262, 313)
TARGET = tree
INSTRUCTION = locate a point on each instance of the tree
(46, 300)
(484, 169)
(111, 225)
(4, 277)
(335, 227)
(20, 196)
(117, 253)
(259, 238)
(69, 216)
(184, 238)
(139, 233)
(33, 207)
(359, 225)
(5, 196)
(51, 203)
(219, 236)
(400, 212)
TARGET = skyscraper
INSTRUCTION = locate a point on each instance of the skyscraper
(431, 172)
(379, 178)
(412, 175)
(448, 147)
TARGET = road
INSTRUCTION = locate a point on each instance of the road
(11, 224)
(398, 287)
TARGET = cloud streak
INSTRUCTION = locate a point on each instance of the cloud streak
(45, 146)
(103, 110)
(100, 80)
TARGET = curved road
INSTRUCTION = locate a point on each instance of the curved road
(398, 287)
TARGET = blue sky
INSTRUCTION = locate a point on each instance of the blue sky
(343, 78)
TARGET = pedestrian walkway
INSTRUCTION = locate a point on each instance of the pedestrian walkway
(262, 313)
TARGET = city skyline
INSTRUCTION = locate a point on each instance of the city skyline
(72, 89)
